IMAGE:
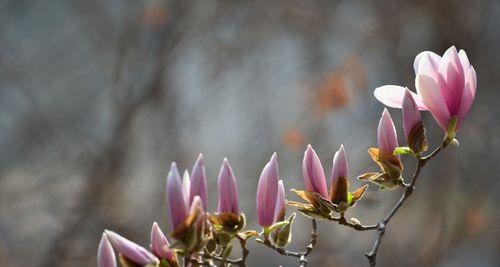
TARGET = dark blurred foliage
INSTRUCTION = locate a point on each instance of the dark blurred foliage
(98, 97)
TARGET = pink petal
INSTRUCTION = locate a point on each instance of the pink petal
(267, 191)
(339, 167)
(280, 202)
(411, 115)
(176, 199)
(228, 192)
(159, 243)
(451, 79)
(392, 96)
(431, 95)
(313, 173)
(199, 182)
(105, 254)
(386, 133)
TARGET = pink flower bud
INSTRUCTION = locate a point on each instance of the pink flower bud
(267, 191)
(131, 250)
(339, 168)
(199, 182)
(178, 208)
(312, 171)
(279, 210)
(160, 245)
(386, 134)
(105, 254)
(228, 192)
(446, 86)
(411, 114)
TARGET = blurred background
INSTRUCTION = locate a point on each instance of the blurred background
(97, 98)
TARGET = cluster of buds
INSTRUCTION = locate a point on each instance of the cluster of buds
(321, 202)
(445, 86)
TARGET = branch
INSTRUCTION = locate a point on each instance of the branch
(381, 226)
(240, 262)
(244, 250)
(302, 256)
(310, 247)
(358, 227)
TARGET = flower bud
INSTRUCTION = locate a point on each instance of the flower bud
(160, 245)
(105, 254)
(313, 173)
(130, 250)
(386, 134)
(176, 198)
(340, 185)
(412, 125)
(199, 182)
(228, 192)
(279, 211)
(267, 191)
(411, 114)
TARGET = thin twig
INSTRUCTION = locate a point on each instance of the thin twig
(302, 255)
(310, 247)
(244, 250)
(381, 226)
(358, 227)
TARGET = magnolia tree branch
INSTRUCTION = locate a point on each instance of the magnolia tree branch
(239, 262)
(381, 226)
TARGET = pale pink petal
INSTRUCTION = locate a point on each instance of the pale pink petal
(428, 64)
(431, 95)
(392, 96)
(468, 96)
(435, 58)
(464, 60)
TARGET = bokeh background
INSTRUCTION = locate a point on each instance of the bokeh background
(98, 97)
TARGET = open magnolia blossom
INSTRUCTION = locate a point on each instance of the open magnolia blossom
(446, 87)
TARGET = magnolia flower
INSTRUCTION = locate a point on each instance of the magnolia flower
(105, 254)
(176, 197)
(446, 86)
(312, 171)
(228, 191)
(267, 192)
(199, 182)
(130, 250)
(160, 245)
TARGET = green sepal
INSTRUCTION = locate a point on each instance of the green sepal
(402, 150)
(277, 226)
